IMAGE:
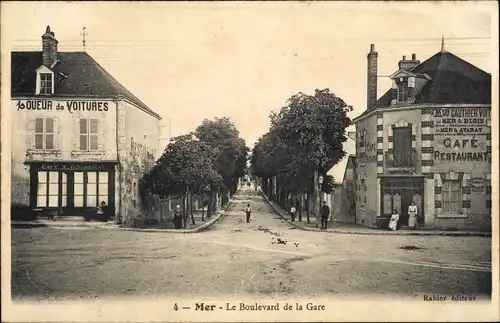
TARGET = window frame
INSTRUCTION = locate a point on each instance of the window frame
(89, 135)
(46, 89)
(45, 135)
(48, 193)
(447, 203)
(404, 91)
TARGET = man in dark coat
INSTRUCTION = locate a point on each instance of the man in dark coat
(325, 213)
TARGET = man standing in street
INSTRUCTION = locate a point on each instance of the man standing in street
(293, 210)
(248, 211)
(325, 212)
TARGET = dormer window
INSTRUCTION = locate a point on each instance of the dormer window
(45, 81)
(403, 90)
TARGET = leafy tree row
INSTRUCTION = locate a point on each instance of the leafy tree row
(205, 162)
(305, 138)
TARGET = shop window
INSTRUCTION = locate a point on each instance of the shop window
(452, 196)
(48, 189)
(44, 133)
(79, 189)
(91, 188)
(89, 134)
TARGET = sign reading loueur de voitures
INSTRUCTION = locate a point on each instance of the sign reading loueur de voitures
(69, 106)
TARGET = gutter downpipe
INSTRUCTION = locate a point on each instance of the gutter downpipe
(120, 173)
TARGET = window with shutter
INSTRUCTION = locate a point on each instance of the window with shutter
(89, 134)
(83, 134)
(44, 133)
(93, 134)
(452, 196)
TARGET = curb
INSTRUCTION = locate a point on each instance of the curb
(202, 227)
(388, 233)
(114, 226)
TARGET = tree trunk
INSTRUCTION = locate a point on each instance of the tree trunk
(209, 206)
(184, 211)
(191, 208)
(301, 205)
(308, 209)
(202, 208)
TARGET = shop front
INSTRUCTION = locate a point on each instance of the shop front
(398, 192)
(74, 187)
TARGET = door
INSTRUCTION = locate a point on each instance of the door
(406, 198)
(398, 193)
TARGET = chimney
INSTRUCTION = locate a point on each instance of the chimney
(372, 78)
(49, 48)
(408, 65)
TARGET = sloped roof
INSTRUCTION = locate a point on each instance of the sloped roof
(76, 74)
(453, 80)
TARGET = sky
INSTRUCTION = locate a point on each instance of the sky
(191, 61)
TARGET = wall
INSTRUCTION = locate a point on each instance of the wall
(462, 144)
(139, 142)
(366, 203)
(66, 114)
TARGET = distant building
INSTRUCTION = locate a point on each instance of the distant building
(342, 201)
(427, 140)
(78, 136)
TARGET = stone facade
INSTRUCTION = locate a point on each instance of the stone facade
(427, 140)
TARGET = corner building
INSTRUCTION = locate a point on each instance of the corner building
(78, 136)
(427, 140)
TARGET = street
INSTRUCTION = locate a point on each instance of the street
(265, 257)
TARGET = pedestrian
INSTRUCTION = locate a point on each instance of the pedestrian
(178, 217)
(293, 210)
(325, 213)
(413, 216)
(248, 211)
(393, 222)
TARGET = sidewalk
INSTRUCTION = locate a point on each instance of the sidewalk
(351, 228)
(73, 222)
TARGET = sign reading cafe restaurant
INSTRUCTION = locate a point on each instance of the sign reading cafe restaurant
(460, 134)
(69, 105)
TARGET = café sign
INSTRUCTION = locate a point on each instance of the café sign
(69, 105)
(461, 149)
(95, 167)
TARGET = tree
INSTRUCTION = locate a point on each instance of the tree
(306, 137)
(185, 166)
(328, 185)
(230, 150)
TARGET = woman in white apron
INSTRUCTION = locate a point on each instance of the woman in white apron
(393, 223)
(413, 216)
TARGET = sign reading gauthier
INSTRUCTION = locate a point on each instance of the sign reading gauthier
(460, 121)
(70, 106)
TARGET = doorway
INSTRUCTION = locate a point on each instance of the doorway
(398, 193)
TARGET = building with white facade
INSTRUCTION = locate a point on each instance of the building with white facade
(78, 136)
